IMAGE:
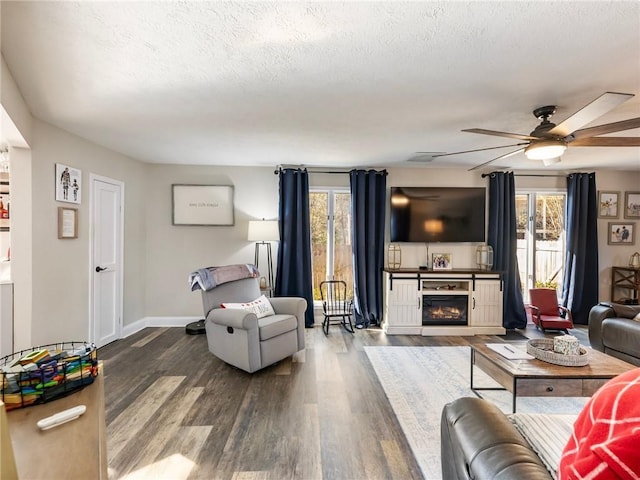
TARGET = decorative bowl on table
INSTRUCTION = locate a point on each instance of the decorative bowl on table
(542, 349)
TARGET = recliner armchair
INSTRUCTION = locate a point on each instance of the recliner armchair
(239, 338)
(546, 313)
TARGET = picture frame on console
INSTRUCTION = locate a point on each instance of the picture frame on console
(441, 261)
(608, 204)
(621, 233)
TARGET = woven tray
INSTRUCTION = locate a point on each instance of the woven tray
(542, 349)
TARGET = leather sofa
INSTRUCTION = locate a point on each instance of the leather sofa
(613, 330)
(478, 441)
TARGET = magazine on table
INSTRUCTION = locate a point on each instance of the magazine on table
(510, 351)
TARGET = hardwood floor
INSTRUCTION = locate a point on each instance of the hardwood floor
(173, 410)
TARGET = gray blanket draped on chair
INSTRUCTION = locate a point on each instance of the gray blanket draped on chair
(210, 277)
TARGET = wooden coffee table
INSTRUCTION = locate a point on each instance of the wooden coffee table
(536, 378)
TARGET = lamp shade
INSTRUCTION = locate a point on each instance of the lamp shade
(545, 149)
(263, 231)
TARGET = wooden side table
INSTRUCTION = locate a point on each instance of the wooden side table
(625, 285)
(74, 450)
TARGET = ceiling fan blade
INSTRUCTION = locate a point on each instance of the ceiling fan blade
(607, 142)
(587, 114)
(495, 133)
(436, 155)
(606, 128)
(515, 152)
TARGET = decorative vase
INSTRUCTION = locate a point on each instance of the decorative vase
(634, 261)
(484, 257)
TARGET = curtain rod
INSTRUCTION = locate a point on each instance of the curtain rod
(331, 172)
(529, 175)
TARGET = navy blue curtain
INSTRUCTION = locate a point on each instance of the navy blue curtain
(502, 237)
(368, 201)
(580, 286)
(294, 277)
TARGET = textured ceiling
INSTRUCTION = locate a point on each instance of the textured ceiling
(322, 84)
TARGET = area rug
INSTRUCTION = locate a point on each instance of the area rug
(514, 335)
(419, 381)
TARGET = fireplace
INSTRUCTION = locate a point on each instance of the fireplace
(444, 309)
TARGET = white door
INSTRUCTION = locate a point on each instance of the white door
(106, 260)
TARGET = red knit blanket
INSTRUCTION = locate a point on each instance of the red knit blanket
(605, 443)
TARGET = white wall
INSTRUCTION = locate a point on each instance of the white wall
(61, 268)
(172, 252)
(16, 118)
(16, 128)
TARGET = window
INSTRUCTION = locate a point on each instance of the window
(330, 214)
(540, 220)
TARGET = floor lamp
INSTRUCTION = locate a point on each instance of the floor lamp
(263, 232)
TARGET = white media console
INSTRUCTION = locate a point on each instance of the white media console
(442, 302)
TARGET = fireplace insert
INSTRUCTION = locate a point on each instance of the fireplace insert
(444, 309)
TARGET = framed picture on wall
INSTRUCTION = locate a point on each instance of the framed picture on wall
(68, 184)
(67, 222)
(608, 203)
(202, 205)
(621, 233)
(632, 205)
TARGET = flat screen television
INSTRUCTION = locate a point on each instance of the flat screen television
(437, 214)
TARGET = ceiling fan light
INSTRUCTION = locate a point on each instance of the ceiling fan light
(545, 149)
(550, 161)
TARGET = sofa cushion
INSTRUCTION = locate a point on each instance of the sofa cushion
(479, 441)
(260, 307)
(622, 335)
(547, 434)
(275, 325)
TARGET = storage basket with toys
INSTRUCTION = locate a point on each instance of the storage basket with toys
(42, 374)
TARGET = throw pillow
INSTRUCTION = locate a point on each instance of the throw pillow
(637, 318)
(261, 307)
(606, 435)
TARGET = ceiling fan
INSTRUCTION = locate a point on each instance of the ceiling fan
(548, 141)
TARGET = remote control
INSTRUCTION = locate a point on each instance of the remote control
(61, 417)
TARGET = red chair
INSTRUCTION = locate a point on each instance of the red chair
(545, 312)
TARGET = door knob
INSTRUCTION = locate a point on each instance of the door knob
(99, 269)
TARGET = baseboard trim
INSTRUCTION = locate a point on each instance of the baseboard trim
(145, 322)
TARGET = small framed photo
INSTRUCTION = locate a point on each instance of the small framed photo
(68, 184)
(67, 222)
(608, 204)
(621, 233)
(632, 205)
(441, 261)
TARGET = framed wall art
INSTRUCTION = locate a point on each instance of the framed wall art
(68, 184)
(441, 261)
(608, 203)
(632, 205)
(202, 205)
(621, 233)
(67, 222)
